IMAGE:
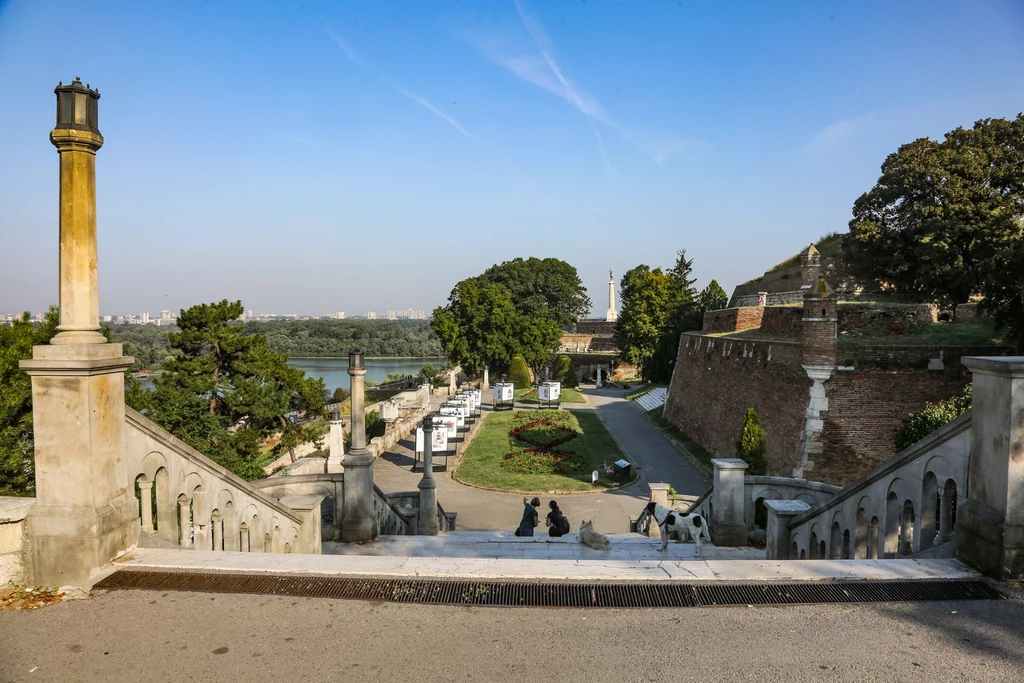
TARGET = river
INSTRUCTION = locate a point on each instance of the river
(334, 371)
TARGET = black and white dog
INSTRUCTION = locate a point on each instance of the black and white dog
(671, 521)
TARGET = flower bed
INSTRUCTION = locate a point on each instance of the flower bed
(542, 434)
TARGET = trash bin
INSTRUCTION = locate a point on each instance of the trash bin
(622, 468)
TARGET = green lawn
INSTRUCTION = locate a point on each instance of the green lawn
(695, 449)
(529, 396)
(483, 462)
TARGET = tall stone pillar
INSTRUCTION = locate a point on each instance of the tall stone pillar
(486, 383)
(989, 531)
(360, 523)
(86, 513)
(818, 337)
(428, 524)
(611, 315)
(728, 526)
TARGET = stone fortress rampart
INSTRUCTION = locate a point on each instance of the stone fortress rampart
(829, 404)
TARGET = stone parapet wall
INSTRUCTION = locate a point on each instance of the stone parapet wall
(732, 319)
(782, 320)
(596, 327)
(13, 511)
(781, 298)
(969, 312)
(896, 317)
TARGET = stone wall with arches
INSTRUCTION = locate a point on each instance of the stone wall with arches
(188, 500)
(903, 507)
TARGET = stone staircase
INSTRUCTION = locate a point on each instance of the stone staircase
(506, 545)
(654, 398)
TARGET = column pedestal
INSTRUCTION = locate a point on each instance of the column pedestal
(728, 527)
(428, 524)
(780, 514)
(86, 513)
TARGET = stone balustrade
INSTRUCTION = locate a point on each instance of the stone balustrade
(187, 499)
(904, 506)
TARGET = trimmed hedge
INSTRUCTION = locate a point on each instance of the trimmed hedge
(751, 447)
(565, 371)
(519, 373)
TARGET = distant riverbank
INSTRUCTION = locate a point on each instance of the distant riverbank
(334, 371)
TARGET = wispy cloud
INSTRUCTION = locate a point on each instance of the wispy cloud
(346, 47)
(833, 135)
(425, 103)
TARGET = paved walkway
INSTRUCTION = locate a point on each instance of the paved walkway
(480, 510)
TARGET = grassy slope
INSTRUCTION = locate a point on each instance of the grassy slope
(481, 465)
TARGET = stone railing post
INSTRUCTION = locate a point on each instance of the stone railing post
(780, 513)
(336, 444)
(86, 513)
(428, 524)
(486, 384)
(728, 527)
(659, 495)
(989, 530)
(360, 522)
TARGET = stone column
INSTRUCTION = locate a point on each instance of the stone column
(989, 531)
(243, 533)
(728, 527)
(486, 383)
(336, 446)
(597, 383)
(906, 533)
(428, 524)
(780, 514)
(146, 504)
(217, 523)
(945, 516)
(86, 513)
(185, 522)
(359, 523)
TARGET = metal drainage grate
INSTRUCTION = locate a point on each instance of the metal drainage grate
(501, 594)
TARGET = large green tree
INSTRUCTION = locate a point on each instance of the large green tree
(941, 211)
(516, 307)
(683, 313)
(547, 287)
(225, 392)
(17, 447)
(645, 297)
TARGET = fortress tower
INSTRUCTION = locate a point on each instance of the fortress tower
(612, 315)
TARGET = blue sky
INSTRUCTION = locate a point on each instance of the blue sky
(311, 156)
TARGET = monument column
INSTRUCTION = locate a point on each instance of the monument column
(86, 513)
(360, 522)
(611, 315)
(428, 524)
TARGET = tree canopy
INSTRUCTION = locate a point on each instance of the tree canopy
(517, 307)
(225, 392)
(712, 297)
(940, 212)
(645, 296)
(17, 447)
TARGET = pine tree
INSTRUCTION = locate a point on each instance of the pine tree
(751, 447)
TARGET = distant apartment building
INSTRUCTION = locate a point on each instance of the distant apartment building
(409, 314)
(145, 317)
(337, 315)
(371, 315)
(249, 315)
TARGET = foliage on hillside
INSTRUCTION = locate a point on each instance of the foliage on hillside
(922, 423)
(17, 447)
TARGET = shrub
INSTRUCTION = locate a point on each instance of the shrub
(374, 425)
(341, 394)
(751, 447)
(565, 371)
(922, 423)
(519, 373)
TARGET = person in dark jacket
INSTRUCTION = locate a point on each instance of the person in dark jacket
(557, 523)
(530, 517)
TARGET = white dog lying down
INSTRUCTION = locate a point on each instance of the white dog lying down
(671, 521)
(594, 539)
